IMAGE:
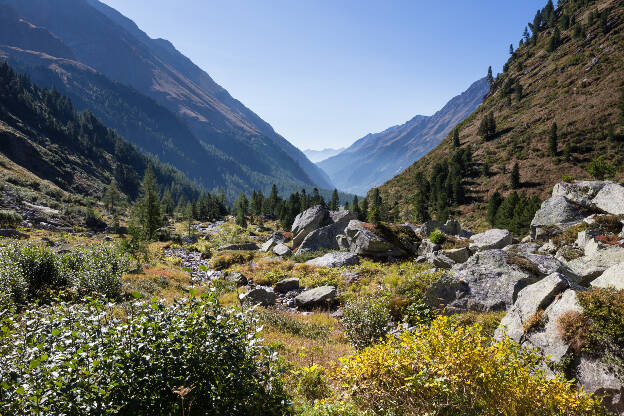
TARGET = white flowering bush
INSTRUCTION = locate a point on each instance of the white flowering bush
(83, 359)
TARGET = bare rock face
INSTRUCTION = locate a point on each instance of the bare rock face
(335, 259)
(610, 199)
(612, 277)
(308, 221)
(366, 243)
(491, 240)
(579, 192)
(324, 238)
(555, 215)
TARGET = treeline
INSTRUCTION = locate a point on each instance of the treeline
(50, 119)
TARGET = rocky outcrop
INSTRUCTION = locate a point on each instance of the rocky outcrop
(488, 281)
(578, 192)
(325, 238)
(322, 296)
(491, 240)
(612, 277)
(308, 221)
(275, 239)
(450, 227)
(364, 242)
(555, 215)
(610, 199)
(335, 259)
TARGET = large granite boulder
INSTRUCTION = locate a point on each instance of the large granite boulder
(597, 259)
(335, 259)
(308, 221)
(276, 238)
(318, 297)
(259, 295)
(555, 215)
(342, 216)
(490, 240)
(365, 243)
(282, 250)
(450, 227)
(597, 378)
(324, 238)
(579, 192)
(458, 255)
(488, 281)
(612, 277)
(286, 285)
(610, 199)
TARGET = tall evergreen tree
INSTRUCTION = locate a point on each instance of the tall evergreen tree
(456, 142)
(526, 34)
(553, 140)
(167, 202)
(334, 204)
(515, 177)
(364, 208)
(112, 197)
(355, 206)
(148, 205)
(554, 41)
(188, 218)
(511, 49)
(493, 204)
(241, 207)
(490, 77)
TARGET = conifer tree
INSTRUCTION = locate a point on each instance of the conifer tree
(526, 34)
(493, 205)
(112, 197)
(364, 210)
(188, 218)
(167, 202)
(515, 177)
(553, 140)
(490, 77)
(456, 142)
(355, 206)
(511, 49)
(334, 204)
(149, 205)
(241, 207)
(554, 41)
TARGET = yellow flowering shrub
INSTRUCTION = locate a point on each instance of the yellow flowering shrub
(450, 369)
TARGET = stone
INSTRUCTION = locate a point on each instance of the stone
(342, 216)
(486, 282)
(555, 215)
(522, 248)
(450, 227)
(610, 199)
(308, 221)
(11, 233)
(365, 243)
(596, 378)
(531, 299)
(237, 278)
(239, 247)
(282, 250)
(343, 242)
(612, 277)
(259, 295)
(269, 244)
(324, 238)
(458, 255)
(548, 248)
(491, 240)
(579, 192)
(440, 260)
(335, 259)
(427, 247)
(286, 285)
(317, 297)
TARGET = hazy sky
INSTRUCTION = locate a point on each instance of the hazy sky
(324, 73)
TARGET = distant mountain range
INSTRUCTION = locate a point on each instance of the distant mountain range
(151, 94)
(320, 155)
(376, 158)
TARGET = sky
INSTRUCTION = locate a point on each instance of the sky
(324, 73)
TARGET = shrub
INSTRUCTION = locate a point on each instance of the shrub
(9, 219)
(449, 369)
(605, 308)
(437, 237)
(289, 324)
(366, 321)
(574, 328)
(600, 169)
(224, 261)
(311, 382)
(535, 322)
(135, 366)
(418, 313)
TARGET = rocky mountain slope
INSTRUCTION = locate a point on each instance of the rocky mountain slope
(375, 158)
(320, 155)
(568, 72)
(236, 148)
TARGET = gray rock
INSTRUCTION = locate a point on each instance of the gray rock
(579, 192)
(237, 278)
(342, 216)
(308, 221)
(335, 259)
(612, 277)
(531, 299)
(317, 297)
(239, 247)
(596, 378)
(439, 260)
(486, 282)
(427, 247)
(548, 265)
(269, 244)
(491, 240)
(450, 227)
(11, 233)
(555, 215)
(366, 243)
(610, 199)
(324, 238)
(522, 248)
(259, 295)
(286, 285)
(349, 276)
(282, 250)
(458, 255)
(343, 242)
(548, 248)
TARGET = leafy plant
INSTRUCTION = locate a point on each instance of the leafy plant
(311, 382)
(437, 237)
(366, 321)
(9, 219)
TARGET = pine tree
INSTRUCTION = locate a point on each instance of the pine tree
(511, 49)
(485, 169)
(526, 34)
(456, 142)
(421, 211)
(604, 21)
(167, 202)
(334, 204)
(241, 207)
(515, 177)
(555, 40)
(364, 209)
(149, 205)
(112, 197)
(188, 218)
(552, 144)
(490, 77)
(493, 205)
(356, 206)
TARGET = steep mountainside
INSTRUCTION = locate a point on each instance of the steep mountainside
(375, 158)
(243, 149)
(320, 155)
(575, 81)
(42, 133)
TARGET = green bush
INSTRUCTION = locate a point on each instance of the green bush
(9, 219)
(437, 237)
(83, 360)
(600, 169)
(311, 382)
(366, 321)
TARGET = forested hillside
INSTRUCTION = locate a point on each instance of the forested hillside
(556, 112)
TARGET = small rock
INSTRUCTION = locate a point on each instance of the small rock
(282, 250)
(458, 255)
(237, 278)
(335, 259)
(260, 295)
(491, 240)
(317, 297)
(286, 285)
